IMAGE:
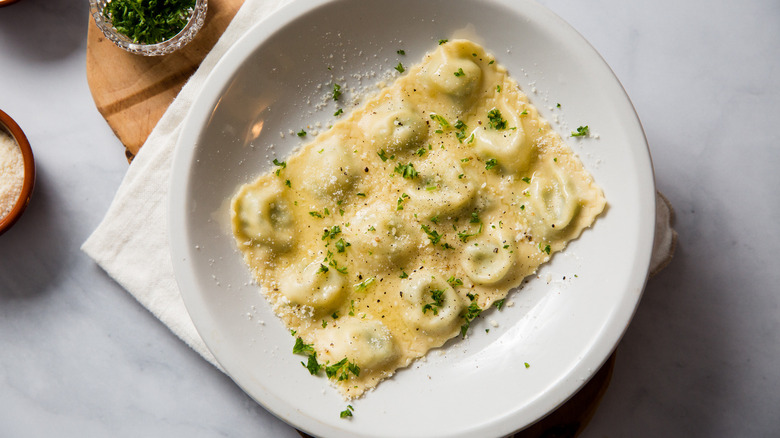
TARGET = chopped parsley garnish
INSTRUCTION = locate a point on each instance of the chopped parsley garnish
(442, 41)
(558, 105)
(459, 73)
(400, 52)
(472, 312)
(338, 112)
(335, 315)
(499, 304)
(438, 300)
(301, 133)
(382, 154)
(312, 365)
(315, 214)
(526, 179)
(281, 164)
(464, 235)
(524, 113)
(336, 91)
(301, 347)
(491, 163)
(461, 127)
(475, 218)
(400, 68)
(546, 249)
(455, 281)
(346, 412)
(435, 219)
(403, 275)
(527, 365)
(341, 245)
(342, 369)
(495, 120)
(406, 170)
(581, 131)
(403, 197)
(433, 235)
(149, 22)
(288, 183)
(363, 285)
(421, 152)
(498, 88)
(332, 233)
(323, 268)
(335, 265)
(440, 120)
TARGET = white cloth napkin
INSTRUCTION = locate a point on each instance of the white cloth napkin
(132, 242)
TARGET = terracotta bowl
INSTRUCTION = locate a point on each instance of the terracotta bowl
(8, 125)
(7, 2)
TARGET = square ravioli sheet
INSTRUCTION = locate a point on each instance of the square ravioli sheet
(388, 234)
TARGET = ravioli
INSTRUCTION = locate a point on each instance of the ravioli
(389, 233)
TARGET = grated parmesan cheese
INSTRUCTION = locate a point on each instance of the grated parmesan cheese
(11, 173)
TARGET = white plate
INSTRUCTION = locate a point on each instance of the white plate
(277, 79)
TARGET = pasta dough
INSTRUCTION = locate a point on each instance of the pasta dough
(386, 235)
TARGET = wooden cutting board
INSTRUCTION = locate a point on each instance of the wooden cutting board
(132, 92)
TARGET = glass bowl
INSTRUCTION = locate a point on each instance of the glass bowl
(9, 127)
(162, 48)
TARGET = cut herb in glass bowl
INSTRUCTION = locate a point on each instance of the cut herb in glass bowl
(149, 27)
(149, 21)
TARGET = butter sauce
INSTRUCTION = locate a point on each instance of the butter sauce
(386, 235)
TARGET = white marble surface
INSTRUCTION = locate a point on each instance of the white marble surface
(79, 357)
